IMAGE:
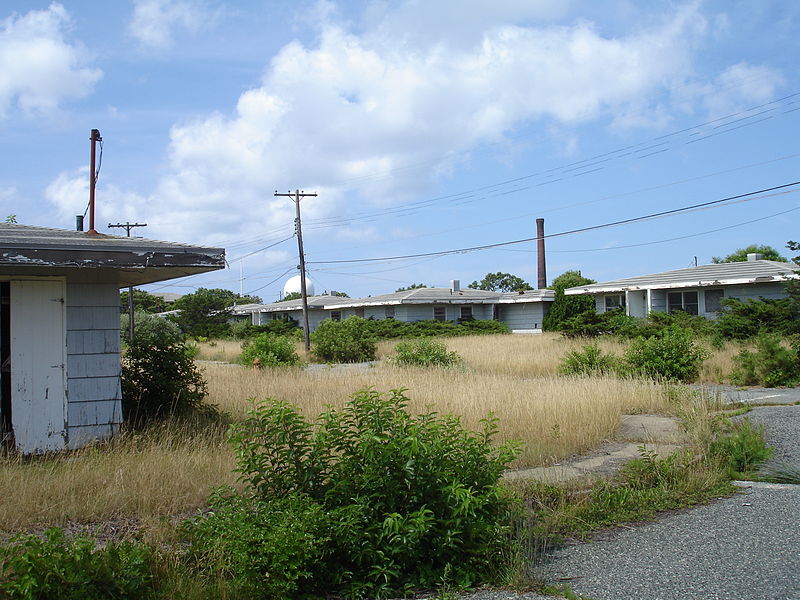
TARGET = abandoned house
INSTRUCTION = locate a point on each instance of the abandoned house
(59, 328)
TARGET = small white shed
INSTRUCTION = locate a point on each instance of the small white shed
(59, 328)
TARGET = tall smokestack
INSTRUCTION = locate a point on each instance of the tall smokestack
(542, 283)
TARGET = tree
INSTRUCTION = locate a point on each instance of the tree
(501, 282)
(565, 307)
(413, 286)
(149, 303)
(740, 255)
(793, 285)
(206, 312)
(291, 296)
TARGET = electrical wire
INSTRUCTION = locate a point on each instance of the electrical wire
(739, 197)
(286, 272)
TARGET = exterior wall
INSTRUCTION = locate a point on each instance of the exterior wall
(94, 406)
(752, 291)
(521, 317)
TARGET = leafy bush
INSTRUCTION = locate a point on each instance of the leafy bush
(268, 549)
(741, 320)
(270, 351)
(159, 378)
(241, 330)
(742, 450)
(425, 352)
(150, 329)
(674, 355)
(657, 323)
(592, 324)
(589, 361)
(73, 569)
(409, 498)
(564, 308)
(771, 365)
(344, 341)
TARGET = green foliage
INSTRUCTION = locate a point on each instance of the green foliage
(425, 352)
(590, 361)
(387, 329)
(344, 341)
(11, 219)
(742, 450)
(413, 286)
(265, 549)
(159, 378)
(593, 324)
(740, 320)
(673, 355)
(241, 330)
(659, 322)
(151, 330)
(33, 568)
(291, 296)
(740, 255)
(565, 307)
(771, 364)
(206, 311)
(501, 282)
(270, 351)
(142, 301)
(407, 497)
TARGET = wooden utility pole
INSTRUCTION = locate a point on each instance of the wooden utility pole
(296, 196)
(128, 226)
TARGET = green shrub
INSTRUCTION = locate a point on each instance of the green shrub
(771, 365)
(265, 549)
(425, 352)
(741, 320)
(73, 569)
(344, 341)
(592, 324)
(589, 361)
(409, 498)
(150, 329)
(674, 355)
(270, 350)
(160, 380)
(742, 450)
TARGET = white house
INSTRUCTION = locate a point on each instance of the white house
(521, 311)
(696, 290)
(59, 328)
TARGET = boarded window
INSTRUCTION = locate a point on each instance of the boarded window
(336, 315)
(439, 313)
(389, 312)
(685, 301)
(360, 312)
(466, 313)
(614, 302)
(713, 300)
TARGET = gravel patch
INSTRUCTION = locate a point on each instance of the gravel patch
(781, 430)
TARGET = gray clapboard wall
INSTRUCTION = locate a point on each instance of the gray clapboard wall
(94, 406)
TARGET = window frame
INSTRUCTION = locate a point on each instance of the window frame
(443, 313)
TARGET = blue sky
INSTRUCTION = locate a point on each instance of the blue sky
(423, 126)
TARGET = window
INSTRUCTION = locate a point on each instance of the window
(360, 312)
(466, 313)
(389, 312)
(685, 301)
(713, 299)
(614, 302)
(497, 312)
(439, 313)
(336, 315)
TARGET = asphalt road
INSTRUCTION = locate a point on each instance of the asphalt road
(742, 548)
(733, 394)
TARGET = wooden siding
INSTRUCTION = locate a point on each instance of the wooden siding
(526, 316)
(94, 408)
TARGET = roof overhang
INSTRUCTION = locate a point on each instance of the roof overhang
(610, 289)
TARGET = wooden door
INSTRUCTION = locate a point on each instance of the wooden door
(38, 365)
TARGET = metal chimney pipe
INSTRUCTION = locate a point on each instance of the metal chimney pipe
(95, 137)
(542, 283)
(78, 222)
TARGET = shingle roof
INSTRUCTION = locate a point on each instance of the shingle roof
(138, 260)
(755, 271)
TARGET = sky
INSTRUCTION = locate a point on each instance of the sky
(422, 126)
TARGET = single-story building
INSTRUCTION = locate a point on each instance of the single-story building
(59, 328)
(523, 312)
(696, 290)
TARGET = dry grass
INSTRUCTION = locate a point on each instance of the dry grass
(169, 470)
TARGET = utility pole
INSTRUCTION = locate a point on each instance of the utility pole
(128, 226)
(298, 194)
(95, 137)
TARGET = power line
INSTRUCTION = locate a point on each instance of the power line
(563, 233)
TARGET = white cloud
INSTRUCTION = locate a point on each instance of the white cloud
(38, 68)
(154, 22)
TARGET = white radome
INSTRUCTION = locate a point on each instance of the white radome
(292, 286)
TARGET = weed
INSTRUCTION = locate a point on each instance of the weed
(425, 352)
(590, 361)
(267, 350)
(741, 450)
(344, 341)
(771, 364)
(673, 355)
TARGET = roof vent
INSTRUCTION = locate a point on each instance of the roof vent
(455, 286)
(754, 256)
